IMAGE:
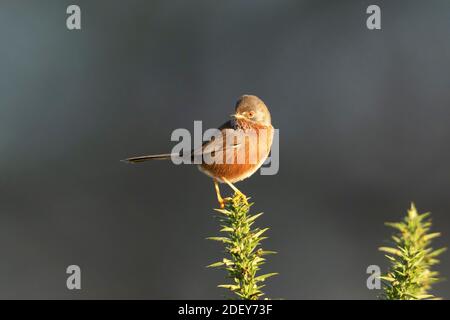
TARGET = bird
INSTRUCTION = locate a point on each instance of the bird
(239, 149)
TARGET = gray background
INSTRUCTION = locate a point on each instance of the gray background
(363, 118)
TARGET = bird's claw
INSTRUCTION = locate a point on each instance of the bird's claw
(223, 201)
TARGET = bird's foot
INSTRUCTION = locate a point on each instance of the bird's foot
(224, 201)
(236, 190)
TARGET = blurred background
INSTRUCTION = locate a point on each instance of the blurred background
(364, 130)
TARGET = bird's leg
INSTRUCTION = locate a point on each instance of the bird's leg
(232, 186)
(219, 197)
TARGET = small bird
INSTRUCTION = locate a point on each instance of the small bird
(238, 151)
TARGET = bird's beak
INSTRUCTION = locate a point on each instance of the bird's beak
(237, 116)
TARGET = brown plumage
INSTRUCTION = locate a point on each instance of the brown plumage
(241, 148)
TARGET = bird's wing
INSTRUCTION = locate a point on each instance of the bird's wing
(219, 144)
(233, 145)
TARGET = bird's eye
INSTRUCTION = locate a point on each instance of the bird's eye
(251, 114)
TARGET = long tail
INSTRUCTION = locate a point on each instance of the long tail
(147, 158)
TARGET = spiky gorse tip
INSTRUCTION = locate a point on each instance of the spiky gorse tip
(243, 249)
(410, 276)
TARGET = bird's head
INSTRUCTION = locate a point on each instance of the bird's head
(251, 108)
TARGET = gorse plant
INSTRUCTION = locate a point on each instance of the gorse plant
(410, 276)
(242, 246)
